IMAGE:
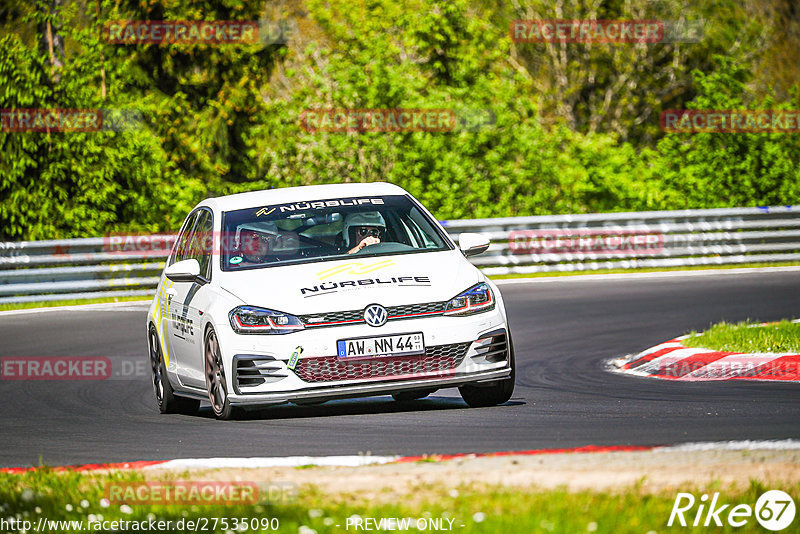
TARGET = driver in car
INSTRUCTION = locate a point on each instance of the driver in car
(362, 230)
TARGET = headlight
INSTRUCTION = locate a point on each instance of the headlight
(252, 320)
(476, 299)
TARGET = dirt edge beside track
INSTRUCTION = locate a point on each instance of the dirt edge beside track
(653, 471)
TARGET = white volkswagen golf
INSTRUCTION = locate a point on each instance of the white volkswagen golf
(308, 294)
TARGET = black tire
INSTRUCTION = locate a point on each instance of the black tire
(408, 396)
(166, 399)
(497, 393)
(215, 379)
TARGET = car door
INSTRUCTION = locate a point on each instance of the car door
(166, 291)
(188, 303)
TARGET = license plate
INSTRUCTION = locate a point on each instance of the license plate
(377, 347)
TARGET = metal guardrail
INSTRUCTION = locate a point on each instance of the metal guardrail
(35, 271)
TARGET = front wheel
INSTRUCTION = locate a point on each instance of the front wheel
(215, 379)
(497, 393)
(165, 397)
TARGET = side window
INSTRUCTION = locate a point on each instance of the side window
(397, 229)
(202, 242)
(182, 244)
(416, 221)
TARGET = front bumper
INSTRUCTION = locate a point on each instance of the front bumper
(271, 353)
(324, 393)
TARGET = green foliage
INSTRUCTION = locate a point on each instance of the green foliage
(73, 184)
(622, 87)
(575, 128)
(63, 496)
(204, 99)
(708, 170)
(436, 55)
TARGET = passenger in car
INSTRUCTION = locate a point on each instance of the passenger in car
(255, 242)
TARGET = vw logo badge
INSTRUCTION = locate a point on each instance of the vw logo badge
(375, 315)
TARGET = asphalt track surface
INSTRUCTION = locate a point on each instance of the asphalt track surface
(563, 331)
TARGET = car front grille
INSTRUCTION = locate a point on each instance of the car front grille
(441, 359)
(407, 311)
(331, 319)
(415, 309)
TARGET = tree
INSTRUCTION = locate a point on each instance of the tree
(71, 184)
(708, 170)
(622, 87)
(435, 55)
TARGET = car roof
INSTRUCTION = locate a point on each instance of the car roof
(307, 193)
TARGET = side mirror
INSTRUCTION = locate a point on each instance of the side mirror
(184, 271)
(473, 244)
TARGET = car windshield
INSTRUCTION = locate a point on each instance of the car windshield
(299, 232)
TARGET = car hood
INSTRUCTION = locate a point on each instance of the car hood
(352, 284)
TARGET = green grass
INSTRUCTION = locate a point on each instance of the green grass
(76, 496)
(73, 302)
(748, 337)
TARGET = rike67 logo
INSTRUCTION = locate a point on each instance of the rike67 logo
(774, 510)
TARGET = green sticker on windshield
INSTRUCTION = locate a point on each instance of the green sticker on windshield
(236, 259)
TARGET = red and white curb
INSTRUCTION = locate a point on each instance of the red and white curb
(363, 460)
(673, 360)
